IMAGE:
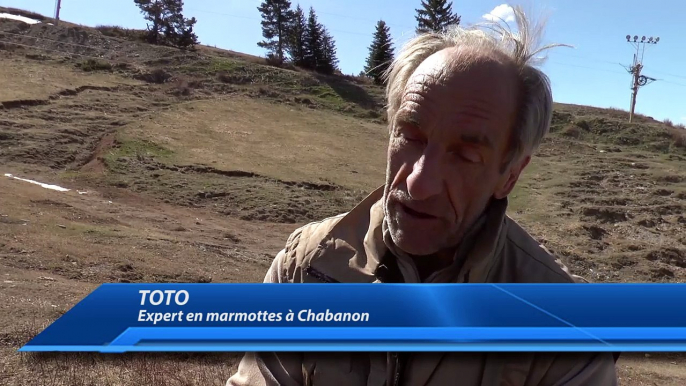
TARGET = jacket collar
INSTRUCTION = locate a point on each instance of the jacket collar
(474, 257)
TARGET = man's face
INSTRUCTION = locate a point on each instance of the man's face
(449, 140)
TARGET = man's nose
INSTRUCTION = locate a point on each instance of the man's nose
(426, 180)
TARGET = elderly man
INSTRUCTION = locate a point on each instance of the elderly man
(466, 111)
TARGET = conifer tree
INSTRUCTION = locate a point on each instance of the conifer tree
(276, 19)
(380, 53)
(167, 25)
(296, 38)
(328, 63)
(152, 11)
(435, 16)
(313, 46)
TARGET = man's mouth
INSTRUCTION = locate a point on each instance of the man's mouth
(417, 214)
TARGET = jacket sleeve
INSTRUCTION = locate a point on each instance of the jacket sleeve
(580, 369)
(269, 369)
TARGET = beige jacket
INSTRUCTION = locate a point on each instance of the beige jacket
(350, 247)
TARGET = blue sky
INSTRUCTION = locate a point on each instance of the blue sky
(589, 74)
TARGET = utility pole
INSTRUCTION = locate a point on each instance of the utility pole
(638, 80)
(57, 11)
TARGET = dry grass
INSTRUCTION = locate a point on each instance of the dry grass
(122, 33)
(291, 143)
(55, 369)
(25, 13)
(21, 79)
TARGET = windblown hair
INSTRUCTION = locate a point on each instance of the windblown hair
(497, 40)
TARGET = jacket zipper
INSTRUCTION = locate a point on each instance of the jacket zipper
(391, 274)
(394, 369)
(311, 271)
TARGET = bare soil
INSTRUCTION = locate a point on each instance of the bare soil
(195, 167)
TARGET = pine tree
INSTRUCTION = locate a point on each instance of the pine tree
(152, 9)
(167, 24)
(328, 63)
(313, 46)
(296, 38)
(276, 19)
(178, 30)
(435, 16)
(380, 53)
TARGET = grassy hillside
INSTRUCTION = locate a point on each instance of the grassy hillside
(194, 166)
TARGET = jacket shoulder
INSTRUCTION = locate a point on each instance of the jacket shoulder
(530, 262)
(329, 243)
(302, 245)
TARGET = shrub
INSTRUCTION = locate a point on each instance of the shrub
(157, 76)
(123, 33)
(679, 138)
(668, 122)
(95, 65)
(572, 131)
(582, 123)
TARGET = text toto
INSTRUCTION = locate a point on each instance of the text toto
(157, 297)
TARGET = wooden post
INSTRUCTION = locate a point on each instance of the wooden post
(57, 12)
(637, 74)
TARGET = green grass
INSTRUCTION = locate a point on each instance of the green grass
(217, 65)
(329, 92)
(134, 148)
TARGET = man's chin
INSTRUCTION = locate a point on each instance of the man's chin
(414, 245)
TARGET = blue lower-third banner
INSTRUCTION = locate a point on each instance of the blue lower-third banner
(372, 317)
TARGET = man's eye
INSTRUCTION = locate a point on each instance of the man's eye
(468, 156)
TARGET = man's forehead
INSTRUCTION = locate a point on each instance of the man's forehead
(452, 69)
(448, 62)
(478, 98)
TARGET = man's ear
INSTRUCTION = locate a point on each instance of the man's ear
(510, 178)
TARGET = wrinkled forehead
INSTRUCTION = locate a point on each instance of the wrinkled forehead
(462, 93)
(454, 66)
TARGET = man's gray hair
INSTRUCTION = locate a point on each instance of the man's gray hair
(535, 102)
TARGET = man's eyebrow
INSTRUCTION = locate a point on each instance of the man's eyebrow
(479, 140)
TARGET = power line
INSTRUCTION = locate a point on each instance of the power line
(664, 73)
(258, 19)
(589, 68)
(323, 13)
(587, 58)
(364, 19)
(667, 81)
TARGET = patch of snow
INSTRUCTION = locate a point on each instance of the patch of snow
(46, 186)
(18, 18)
